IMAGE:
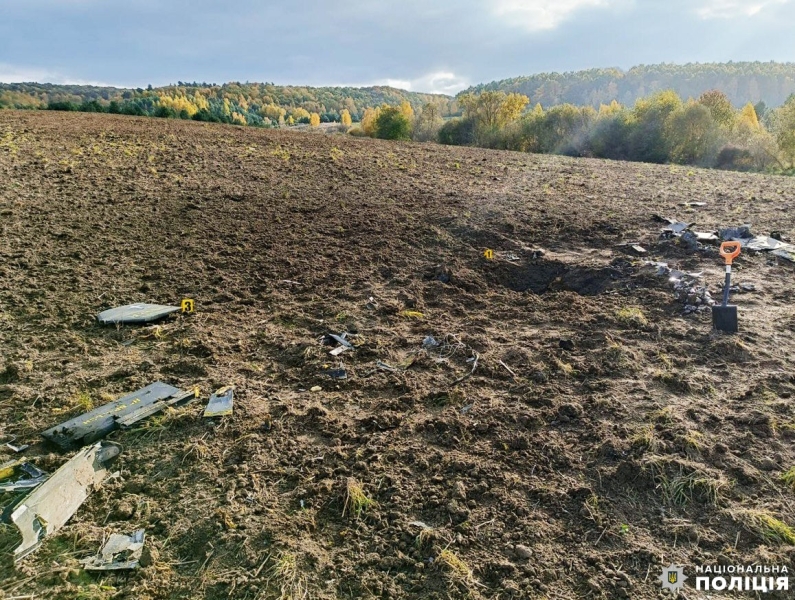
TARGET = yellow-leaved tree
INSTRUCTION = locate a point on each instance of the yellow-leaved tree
(369, 119)
(314, 120)
(345, 117)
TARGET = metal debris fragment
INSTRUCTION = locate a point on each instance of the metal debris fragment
(121, 552)
(46, 509)
(221, 403)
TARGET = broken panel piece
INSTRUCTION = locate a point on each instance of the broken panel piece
(136, 313)
(54, 502)
(96, 424)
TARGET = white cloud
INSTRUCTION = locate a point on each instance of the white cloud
(25, 74)
(730, 9)
(440, 82)
(539, 15)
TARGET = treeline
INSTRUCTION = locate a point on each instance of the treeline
(257, 104)
(741, 82)
(661, 128)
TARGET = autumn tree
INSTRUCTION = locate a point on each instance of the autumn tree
(720, 107)
(491, 111)
(314, 120)
(345, 117)
(369, 121)
(427, 123)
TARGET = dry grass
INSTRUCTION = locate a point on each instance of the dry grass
(289, 577)
(456, 568)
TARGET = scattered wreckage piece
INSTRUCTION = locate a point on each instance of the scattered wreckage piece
(26, 476)
(16, 449)
(759, 243)
(221, 403)
(131, 314)
(120, 552)
(344, 344)
(52, 504)
(687, 289)
(96, 424)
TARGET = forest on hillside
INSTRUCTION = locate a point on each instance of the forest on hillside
(742, 82)
(257, 104)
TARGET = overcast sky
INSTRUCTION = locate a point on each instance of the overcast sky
(420, 45)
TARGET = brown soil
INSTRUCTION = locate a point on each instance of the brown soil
(601, 429)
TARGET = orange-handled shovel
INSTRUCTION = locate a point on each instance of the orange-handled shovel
(724, 317)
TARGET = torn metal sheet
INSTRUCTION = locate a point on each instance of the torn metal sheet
(337, 373)
(738, 234)
(221, 403)
(763, 243)
(787, 254)
(96, 424)
(26, 477)
(692, 204)
(385, 367)
(340, 339)
(136, 313)
(14, 448)
(54, 502)
(677, 227)
(338, 350)
(121, 552)
(706, 238)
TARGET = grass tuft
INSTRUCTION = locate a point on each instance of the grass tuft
(632, 316)
(766, 526)
(356, 501)
(788, 478)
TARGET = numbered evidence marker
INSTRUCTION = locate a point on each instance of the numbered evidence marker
(188, 305)
(489, 254)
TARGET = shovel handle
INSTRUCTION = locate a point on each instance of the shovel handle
(729, 251)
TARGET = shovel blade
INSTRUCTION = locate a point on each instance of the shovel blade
(724, 318)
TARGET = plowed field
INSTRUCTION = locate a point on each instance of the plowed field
(572, 433)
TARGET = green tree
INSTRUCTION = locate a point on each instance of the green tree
(783, 126)
(647, 142)
(692, 135)
(392, 124)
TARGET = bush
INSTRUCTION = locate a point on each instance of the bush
(69, 106)
(457, 132)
